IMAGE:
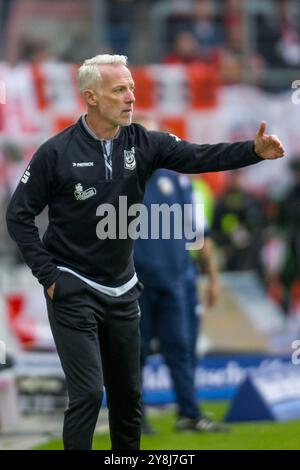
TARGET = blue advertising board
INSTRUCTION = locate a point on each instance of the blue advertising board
(267, 396)
(217, 377)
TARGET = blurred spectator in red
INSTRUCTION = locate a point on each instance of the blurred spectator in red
(236, 65)
(186, 50)
(233, 13)
(237, 226)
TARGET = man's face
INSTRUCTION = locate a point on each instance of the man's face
(115, 95)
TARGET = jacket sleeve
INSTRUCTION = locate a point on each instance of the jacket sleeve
(32, 194)
(186, 157)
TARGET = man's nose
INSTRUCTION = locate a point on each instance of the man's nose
(130, 98)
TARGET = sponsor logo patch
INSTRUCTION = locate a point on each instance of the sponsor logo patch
(82, 164)
(26, 176)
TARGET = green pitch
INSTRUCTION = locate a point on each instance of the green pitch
(258, 436)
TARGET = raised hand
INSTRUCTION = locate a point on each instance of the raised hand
(267, 146)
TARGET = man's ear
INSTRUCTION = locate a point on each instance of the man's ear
(90, 97)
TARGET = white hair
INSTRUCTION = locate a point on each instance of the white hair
(89, 72)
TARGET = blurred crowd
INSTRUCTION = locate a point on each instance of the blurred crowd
(261, 232)
(244, 40)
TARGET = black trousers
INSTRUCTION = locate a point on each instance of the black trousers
(98, 341)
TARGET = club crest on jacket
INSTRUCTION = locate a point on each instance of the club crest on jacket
(129, 159)
(82, 194)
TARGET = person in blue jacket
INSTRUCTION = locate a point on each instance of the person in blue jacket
(169, 303)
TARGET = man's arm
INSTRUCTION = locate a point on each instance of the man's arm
(205, 256)
(186, 157)
(32, 194)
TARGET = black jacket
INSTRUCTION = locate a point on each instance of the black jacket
(68, 174)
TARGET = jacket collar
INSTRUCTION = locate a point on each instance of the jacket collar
(89, 134)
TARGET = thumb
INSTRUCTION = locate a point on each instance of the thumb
(262, 128)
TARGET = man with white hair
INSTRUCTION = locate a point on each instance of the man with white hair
(84, 261)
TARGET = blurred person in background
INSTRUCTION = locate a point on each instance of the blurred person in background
(289, 219)
(88, 275)
(273, 248)
(201, 262)
(5, 10)
(278, 36)
(235, 65)
(238, 65)
(11, 167)
(121, 15)
(203, 24)
(170, 306)
(185, 50)
(34, 50)
(237, 226)
(207, 29)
